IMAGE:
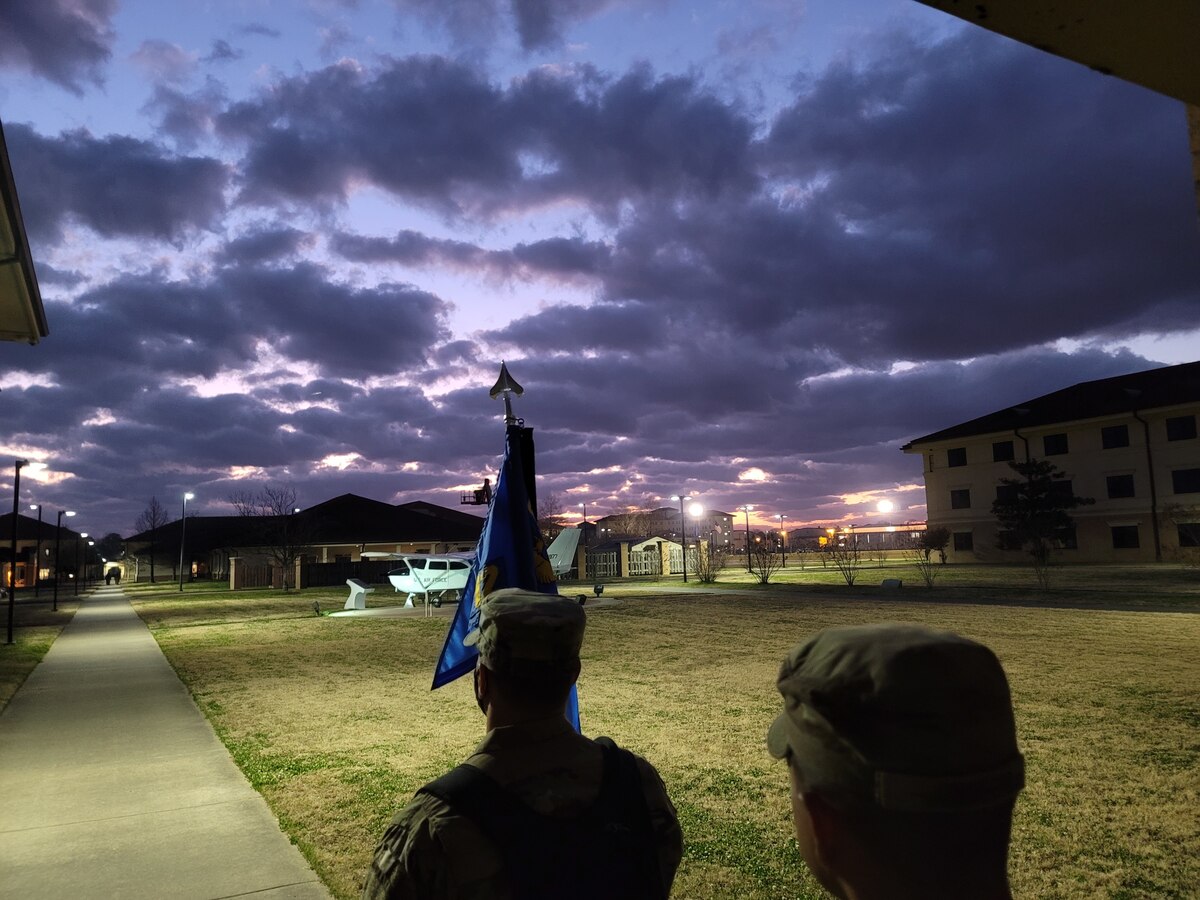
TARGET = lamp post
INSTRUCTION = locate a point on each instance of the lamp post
(12, 570)
(57, 547)
(746, 510)
(583, 525)
(183, 534)
(79, 568)
(37, 553)
(682, 531)
(783, 538)
(87, 555)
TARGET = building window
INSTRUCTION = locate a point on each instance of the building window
(1065, 539)
(1054, 444)
(1125, 537)
(1183, 481)
(1119, 486)
(963, 541)
(1006, 493)
(1114, 436)
(1062, 487)
(1189, 534)
(960, 499)
(1008, 540)
(1181, 428)
(1002, 451)
(956, 456)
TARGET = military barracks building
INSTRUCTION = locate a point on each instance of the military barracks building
(1130, 443)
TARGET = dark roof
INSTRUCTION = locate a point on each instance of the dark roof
(1121, 395)
(27, 529)
(22, 316)
(348, 519)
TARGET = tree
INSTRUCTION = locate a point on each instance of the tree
(766, 560)
(1033, 512)
(632, 521)
(281, 532)
(550, 515)
(710, 564)
(918, 553)
(153, 517)
(935, 539)
(846, 555)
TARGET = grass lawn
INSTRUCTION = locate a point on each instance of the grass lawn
(35, 626)
(332, 719)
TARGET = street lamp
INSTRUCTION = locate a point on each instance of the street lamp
(183, 534)
(783, 538)
(12, 570)
(746, 510)
(37, 553)
(57, 547)
(79, 569)
(583, 525)
(682, 531)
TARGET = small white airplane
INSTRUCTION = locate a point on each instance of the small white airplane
(438, 578)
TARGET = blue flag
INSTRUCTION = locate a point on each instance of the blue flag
(511, 554)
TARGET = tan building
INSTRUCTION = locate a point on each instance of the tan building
(1130, 443)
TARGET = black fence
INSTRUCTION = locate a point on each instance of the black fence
(334, 574)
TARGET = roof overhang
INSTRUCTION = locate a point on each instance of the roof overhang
(22, 317)
(1151, 44)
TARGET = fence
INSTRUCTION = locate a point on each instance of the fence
(603, 565)
(335, 574)
(645, 562)
(256, 576)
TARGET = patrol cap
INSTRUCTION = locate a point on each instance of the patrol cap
(521, 629)
(902, 716)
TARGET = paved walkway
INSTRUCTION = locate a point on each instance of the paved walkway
(113, 784)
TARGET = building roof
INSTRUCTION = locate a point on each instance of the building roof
(1151, 389)
(22, 317)
(348, 519)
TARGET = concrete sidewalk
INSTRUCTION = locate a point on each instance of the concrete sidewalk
(113, 784)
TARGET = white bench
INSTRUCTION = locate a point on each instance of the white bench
(358, 594)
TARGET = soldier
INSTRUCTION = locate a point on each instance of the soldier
(537, 811)
(903, 760)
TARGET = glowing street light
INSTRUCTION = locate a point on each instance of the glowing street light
(783, 539)
(183, 532)
(79, 570)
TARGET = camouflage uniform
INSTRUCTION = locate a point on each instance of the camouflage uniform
(430, 851)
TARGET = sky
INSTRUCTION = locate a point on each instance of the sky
(742, 251)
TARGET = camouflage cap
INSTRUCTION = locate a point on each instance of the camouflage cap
(520, 628)
(899, 715)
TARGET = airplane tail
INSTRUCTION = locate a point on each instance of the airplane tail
(562, 550)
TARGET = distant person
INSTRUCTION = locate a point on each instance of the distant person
(537, 811)
(108, 577)
(903, 760)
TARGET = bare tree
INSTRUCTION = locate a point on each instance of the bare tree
(281, 532)
(631, 521)
(153, 517)
(550, 515)
(917, 552)
(766, 560)
(846, 555)
(710, 564)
